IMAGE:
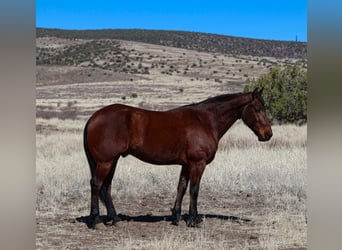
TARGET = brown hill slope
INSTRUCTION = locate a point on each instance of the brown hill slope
(190, 40)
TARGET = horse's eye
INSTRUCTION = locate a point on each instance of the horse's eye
(257, 109)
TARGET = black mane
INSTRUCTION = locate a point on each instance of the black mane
(215, 99)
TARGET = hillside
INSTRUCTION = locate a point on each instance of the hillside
(73, 66)
(202, 42)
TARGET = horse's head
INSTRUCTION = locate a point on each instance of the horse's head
(254, 116)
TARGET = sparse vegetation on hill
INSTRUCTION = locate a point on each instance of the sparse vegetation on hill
(96, 60)
(104, 54)
(190, 40)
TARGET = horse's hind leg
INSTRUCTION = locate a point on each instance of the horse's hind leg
(105, 195)
(100, 174)
(182, 185)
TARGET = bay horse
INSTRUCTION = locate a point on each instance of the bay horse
(186, 136)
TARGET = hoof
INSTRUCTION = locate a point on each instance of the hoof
(113, 221)
(176, 218)
(175, 222)
(198, 224)
(94, 222)
(195, 222)
(178, 223)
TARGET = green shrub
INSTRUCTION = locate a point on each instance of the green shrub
(285, 94)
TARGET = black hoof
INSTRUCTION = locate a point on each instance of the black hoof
(180, 223)
(175, 222)
(194, 221)
(94, 222)
(112, 220)
(176, 217)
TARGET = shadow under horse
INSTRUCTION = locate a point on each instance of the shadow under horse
(158, 218)
(188, 136)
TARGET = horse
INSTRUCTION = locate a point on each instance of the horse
(188, 136)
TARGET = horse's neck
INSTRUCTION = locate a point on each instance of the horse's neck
(227, 112)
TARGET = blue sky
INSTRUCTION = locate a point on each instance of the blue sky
(274, 19)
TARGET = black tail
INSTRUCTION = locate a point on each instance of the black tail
(91, 161)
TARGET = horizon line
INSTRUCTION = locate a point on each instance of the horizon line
(175, 30)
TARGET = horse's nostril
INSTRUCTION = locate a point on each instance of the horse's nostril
(268, 135)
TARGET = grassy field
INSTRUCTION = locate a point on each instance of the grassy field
(252, 196)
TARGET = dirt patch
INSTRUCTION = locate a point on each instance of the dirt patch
(62, 75)
(146, 223)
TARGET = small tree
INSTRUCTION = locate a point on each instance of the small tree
(285, 94)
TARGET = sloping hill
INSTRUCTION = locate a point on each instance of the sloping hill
(190, 40)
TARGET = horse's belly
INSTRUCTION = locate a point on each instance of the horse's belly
(162, 155)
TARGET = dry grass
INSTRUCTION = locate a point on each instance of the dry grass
(240, 154)
(264, 182)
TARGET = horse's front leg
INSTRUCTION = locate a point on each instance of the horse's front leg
(196, 172)
(182, 186)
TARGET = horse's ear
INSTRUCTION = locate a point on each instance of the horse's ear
(255, 92)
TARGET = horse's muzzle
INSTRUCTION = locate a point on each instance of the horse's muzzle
(267, 136)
